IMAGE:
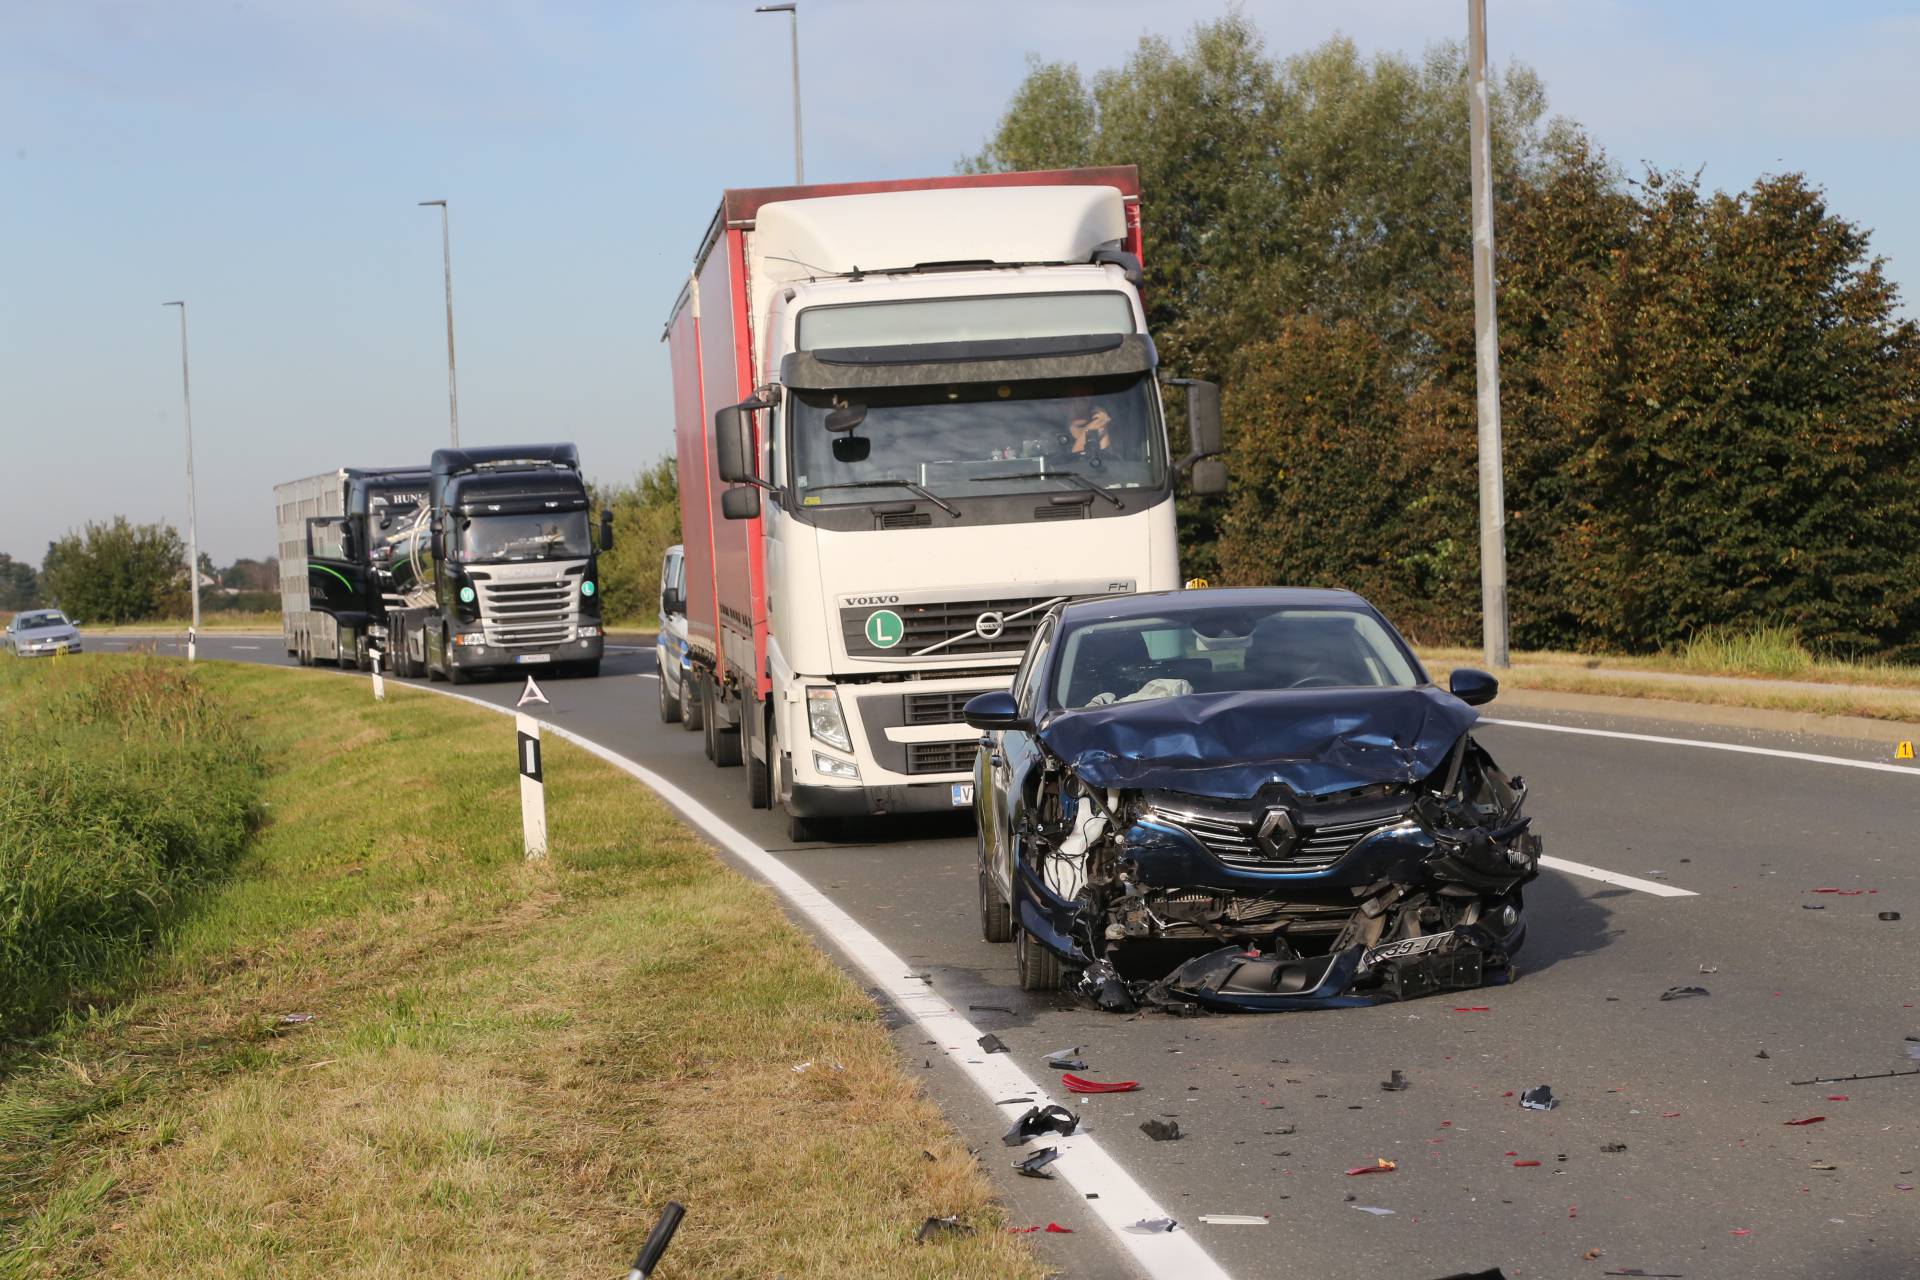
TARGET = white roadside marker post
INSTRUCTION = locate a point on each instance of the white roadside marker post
(189, 644)
(533, 786)
(379, 685)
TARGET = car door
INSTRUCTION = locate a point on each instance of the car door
(1012, 755)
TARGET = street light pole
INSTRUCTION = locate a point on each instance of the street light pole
(793, 12)
(446, 262)
(193, 525)
(1486, 345)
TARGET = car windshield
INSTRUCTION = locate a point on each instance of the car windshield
(1229, 650)
(41, 621)
(546, 535)
(977, 440)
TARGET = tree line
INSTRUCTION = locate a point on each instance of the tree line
(1709, 398)
(118, 571)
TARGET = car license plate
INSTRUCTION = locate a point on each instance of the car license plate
(962, 793)
(533, 657)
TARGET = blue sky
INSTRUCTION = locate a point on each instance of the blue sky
(263, 160)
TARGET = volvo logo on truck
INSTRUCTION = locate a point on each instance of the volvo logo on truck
(989, 625)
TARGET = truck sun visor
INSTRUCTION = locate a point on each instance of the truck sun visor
(998, 360)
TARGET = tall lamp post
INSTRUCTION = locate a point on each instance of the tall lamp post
(1486, 345)
(193, 526)
(446, 262)
(793, 12)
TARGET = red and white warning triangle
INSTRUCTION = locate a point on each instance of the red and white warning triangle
(531, 694)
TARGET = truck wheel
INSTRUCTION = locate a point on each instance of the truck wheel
(801, 830)
(1040, 969)
(759, 772)
(692, 713)
(588, 670)
(669, 703)
(456, 675)
(726, 748)
(707, 722)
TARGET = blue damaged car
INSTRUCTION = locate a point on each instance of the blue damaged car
(1244, 799)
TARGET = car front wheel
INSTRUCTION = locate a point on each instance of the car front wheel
(1040, 969)
(996, 913)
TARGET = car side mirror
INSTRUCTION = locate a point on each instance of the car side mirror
(740, 504)
(606, 530)
(989, 712)
(1473, 687)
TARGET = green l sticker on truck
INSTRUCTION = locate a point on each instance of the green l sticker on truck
(884, 629)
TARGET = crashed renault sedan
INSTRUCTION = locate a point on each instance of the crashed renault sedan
(1244, 799)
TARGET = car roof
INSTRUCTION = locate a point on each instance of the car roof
(1149, 604)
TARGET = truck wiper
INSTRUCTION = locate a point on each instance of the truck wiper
(1071, 477)
(922, 490)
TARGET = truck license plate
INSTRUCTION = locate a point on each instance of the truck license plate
(533, 657)
(962, 794)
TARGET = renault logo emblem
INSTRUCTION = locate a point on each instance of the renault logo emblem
(1277, 834)
(989, 625)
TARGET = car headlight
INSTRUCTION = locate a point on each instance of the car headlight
(825, 720)
(835, 768)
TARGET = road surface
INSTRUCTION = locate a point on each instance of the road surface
(1714, 1180)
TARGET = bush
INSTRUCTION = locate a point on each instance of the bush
(646, 521)
(124, 785)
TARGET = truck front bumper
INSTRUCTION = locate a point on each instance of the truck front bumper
(474, 657)
(878, 801)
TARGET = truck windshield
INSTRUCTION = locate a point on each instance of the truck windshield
(546, 535)
(977, 440)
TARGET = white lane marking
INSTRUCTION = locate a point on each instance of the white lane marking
(1084, 1164)
(1807, 756)
(1604, 876)
(645, 675)
(243, 646)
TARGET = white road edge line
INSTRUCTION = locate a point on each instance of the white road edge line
(1604, 876)
(1084, 1164)
(1807, 756)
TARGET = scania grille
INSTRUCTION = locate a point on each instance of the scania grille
(1235, 843)
(953, 625)
(528, 614)
(940, 757)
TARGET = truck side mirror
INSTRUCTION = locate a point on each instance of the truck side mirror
(1209, 478)
(733, 441)
(606, 530)
(1203, 419)
(740, 504)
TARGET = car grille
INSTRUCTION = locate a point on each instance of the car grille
(937, 708)
(940, 757)
(1232, 840)
(528, 613)
(947, 621)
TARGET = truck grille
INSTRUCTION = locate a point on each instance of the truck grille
(528, 613)
(932, 623)
(940, 757)
(1232, 839)
(937, 708)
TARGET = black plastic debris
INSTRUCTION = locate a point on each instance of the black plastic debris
(1102, 984)
(992, 1043)
(658, 1239)
(1681, 993)
(1539, 1098)
(1162, 1130)
(1067, 1059)
(1398, 1083)
(1035, 1165)
(1492, 1273)
(1009, 1102)
(1153, 1226)
(1763, 1054)
(940, 1228)
(1613, 1148)
(1813, 906)
(1889, 915)
(1039, 1120)
(1645, 1274)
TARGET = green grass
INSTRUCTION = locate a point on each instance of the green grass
(123, 789)
(224, 620)
(510, 1066)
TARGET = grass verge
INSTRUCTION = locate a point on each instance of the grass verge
(509, 1067)
(123, 789)
(209, 623)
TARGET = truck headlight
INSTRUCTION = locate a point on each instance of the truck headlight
(588, 633)
(835, 768)
(471, 637)
(825, 720)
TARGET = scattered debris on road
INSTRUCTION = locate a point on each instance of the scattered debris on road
(1162, 1130)
(1079, 1084)
(1153, 1226)
(1613, 1148)
(1398, 1083)
(1236, 1219)
(1052, 1229)
(1889, 915)
(1375, 1210)
(1681, 993)
(1067, 1059)
(937, 1228)
(1808, 1120)
(1035, 1165)
(1539, 1098)
(1036, 1121)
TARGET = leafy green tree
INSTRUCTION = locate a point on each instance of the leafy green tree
(117, 571)
(646, 521)
(19, 584)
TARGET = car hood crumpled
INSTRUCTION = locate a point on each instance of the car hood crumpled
(1230, 745)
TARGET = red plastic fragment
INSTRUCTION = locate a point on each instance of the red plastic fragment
(1052, 1228)
(1472, 1008)
(1838, 1097)
(1845, 893)
(1741, 1231)
(1080, 1084)
(1669, 1115)
(1526, 1164)
(1380, 1165)
(1808, 1120)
